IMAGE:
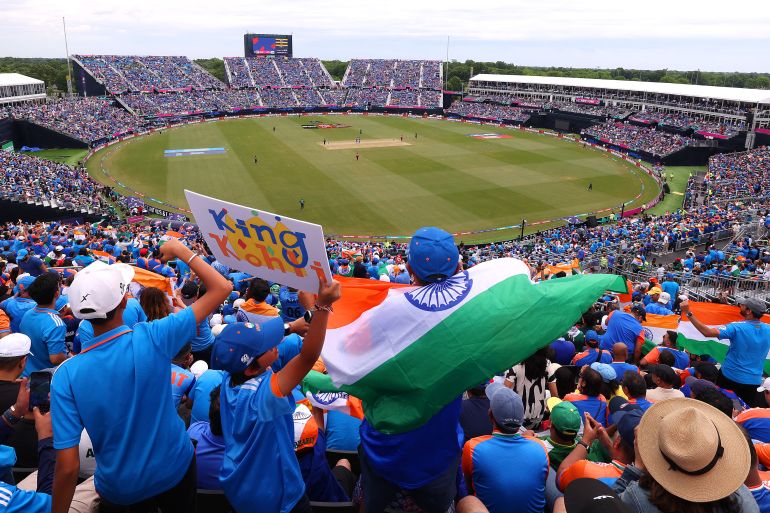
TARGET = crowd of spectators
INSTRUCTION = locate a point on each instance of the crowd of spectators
(601, 403)
(124, 73)
(276, 72)
(488, 111)
(739, 175)
(156, 104)
(404, 97)
(27, 178)
(88, 119)
(684, 121)
(638, 138)
(593, 110)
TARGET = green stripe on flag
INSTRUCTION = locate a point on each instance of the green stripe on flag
(490, 333)
(714, 348)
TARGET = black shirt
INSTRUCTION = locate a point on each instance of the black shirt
(474, 417)
(24, 440)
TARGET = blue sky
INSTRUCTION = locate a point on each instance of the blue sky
(707, 35)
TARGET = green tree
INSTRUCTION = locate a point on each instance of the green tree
(214, 66)
(336, 68)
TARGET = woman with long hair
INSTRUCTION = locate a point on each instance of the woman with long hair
(529, 380)
(689, 458)
(154, 303)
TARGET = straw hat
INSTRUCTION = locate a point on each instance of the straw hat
(693, 450)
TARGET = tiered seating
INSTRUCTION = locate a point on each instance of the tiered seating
(122, 73)
(638, 138)
(87, 119)
(488, 111)
(27, 178)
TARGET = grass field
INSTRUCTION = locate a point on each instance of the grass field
(442, 177)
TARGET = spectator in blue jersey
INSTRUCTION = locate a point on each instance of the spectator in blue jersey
(670, 287)
(426, 463)
(291, 308)
(182, 378)
(619, 359)
(157, 471)
(257, 407)
(563, 351)
(84, 259)
(660, 307)
(132, 314)
(474, 413)
(743, 365)
(44, 326)
(210, 446)
(206, 380)
(627, 328)
(30, 264)
(635, 389)
(592, 353)
(759, 489)
(204, 339)
(668, 344)
(589, 398)
(18, 304)
(322, 483)
(486, 458)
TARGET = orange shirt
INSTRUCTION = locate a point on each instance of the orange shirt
(591, 469)
(5, 323)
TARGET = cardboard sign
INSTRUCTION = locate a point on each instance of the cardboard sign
(262, 244)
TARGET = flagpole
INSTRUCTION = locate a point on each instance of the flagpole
(69, 65)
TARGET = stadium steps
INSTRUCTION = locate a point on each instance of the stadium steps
(280, 75)
(251, 75)
(227, 73)
(326, 72)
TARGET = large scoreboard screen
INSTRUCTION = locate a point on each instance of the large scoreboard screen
(271, 45)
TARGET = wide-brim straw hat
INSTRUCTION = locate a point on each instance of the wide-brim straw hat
(693, 450)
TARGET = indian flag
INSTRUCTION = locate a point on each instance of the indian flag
(407, 351)
(714, 315)
(170, 234)
(657, 325)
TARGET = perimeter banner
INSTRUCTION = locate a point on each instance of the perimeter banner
(276, 248)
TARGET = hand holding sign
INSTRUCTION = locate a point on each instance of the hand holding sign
(272, 247)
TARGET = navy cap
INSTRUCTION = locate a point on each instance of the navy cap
(618, 407)
(627, 423)
(433, 255)
(239, 343)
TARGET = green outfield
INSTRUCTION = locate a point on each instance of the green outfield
(442, 177)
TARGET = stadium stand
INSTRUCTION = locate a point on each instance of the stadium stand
(126, 73)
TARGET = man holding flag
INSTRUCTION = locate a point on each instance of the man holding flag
(423, 461)
(742, 368)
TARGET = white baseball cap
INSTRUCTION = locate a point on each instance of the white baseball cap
(664, 298)
(198, 368)
(215, 320)
(15, 344)
(216, 330)
(98, 289)
(764, 387)
(238, 303)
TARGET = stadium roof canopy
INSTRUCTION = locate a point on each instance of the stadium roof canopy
(734, 94)
(15, 79)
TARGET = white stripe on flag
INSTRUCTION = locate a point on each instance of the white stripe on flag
(393, 325)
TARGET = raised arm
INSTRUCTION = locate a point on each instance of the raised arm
(706, 331)
(294, 372)
(217, 286)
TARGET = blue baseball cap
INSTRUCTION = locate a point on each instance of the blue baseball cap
(591, 335)
(239, 343)
(22, 253)
(507, 407)
(433, 255)
(606, 370)
(23, 283)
